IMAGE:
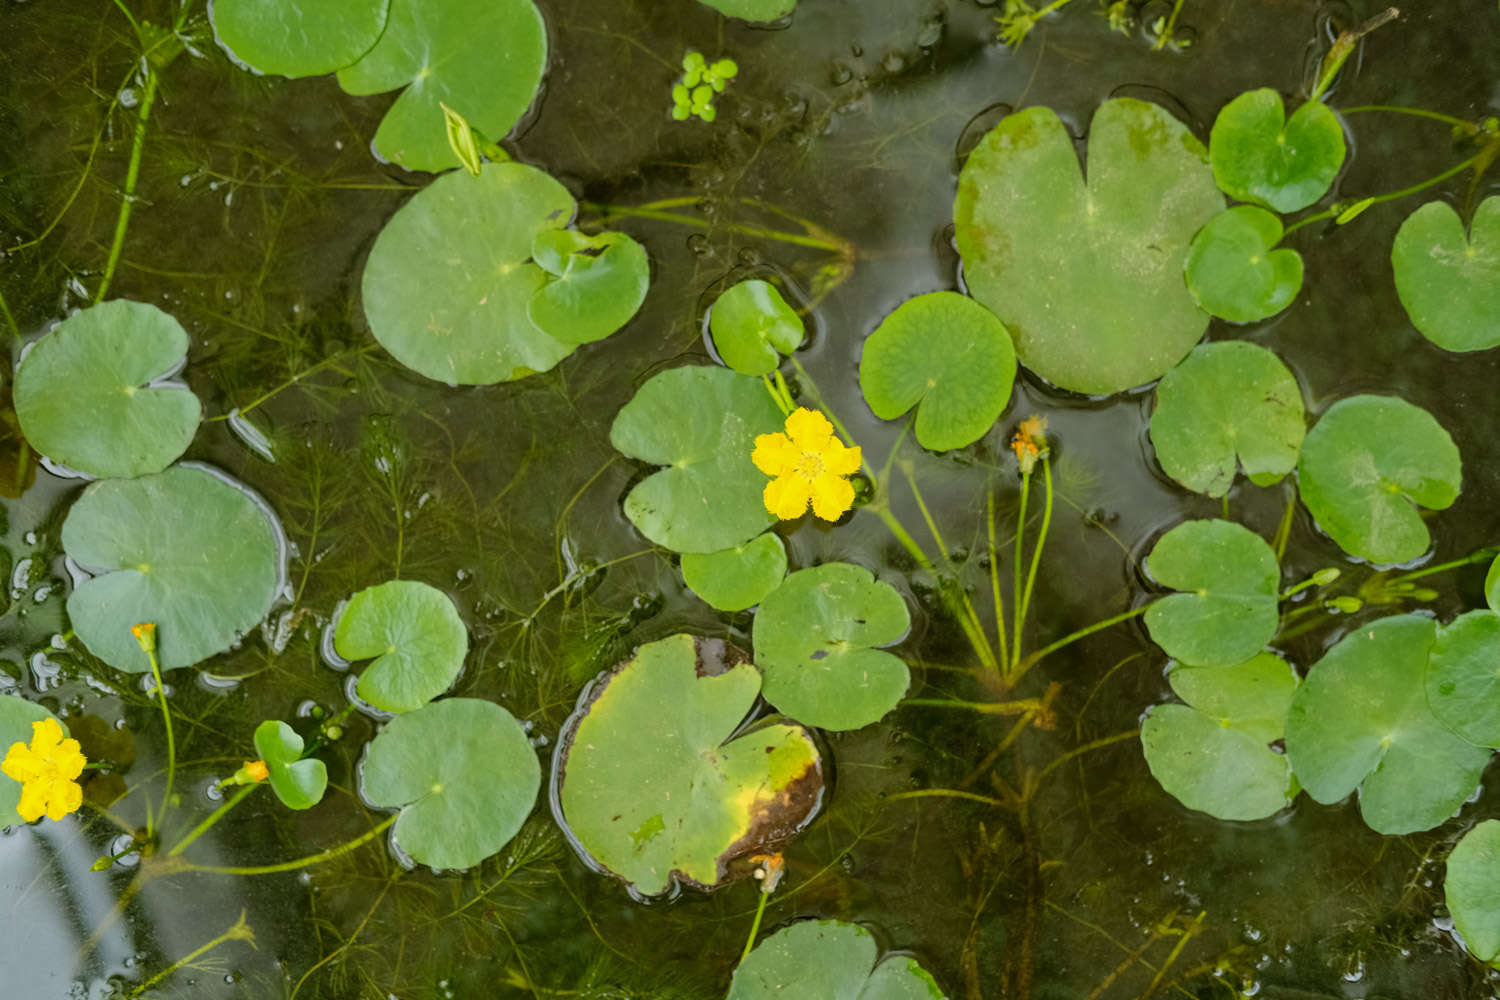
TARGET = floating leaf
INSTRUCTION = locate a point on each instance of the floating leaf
(1472, 890)
(701, 423)
(752, 326)
(1365, 467)
(1492, 585)
(948, 356)
(188, 549)
(87, 393)
(16, 716)
(1088, 277)
(297, 37)
(485, 61)
(814, 639)
(1463, 677)
(1230, 613)
(653, 788)
(298, 783)
(464, 774)
(739, 577)
(1226, 401)
(1232, 271)
(830, 960)
(1261, 156)
(1448, 282)
(1360, 720)
(416, 637)
(754, 10)
(598, 284)
(1212, 754)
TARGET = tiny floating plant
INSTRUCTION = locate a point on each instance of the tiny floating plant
(701, 82)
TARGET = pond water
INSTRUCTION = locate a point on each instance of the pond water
(257, 203)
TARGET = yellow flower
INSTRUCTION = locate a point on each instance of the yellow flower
(1030, 442)
(46, 770)
(807, 465)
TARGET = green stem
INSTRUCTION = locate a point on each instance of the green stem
(132, 173)
(1396, 109)
(1036, 554)
(962, 606)
(212, 818)
(944, 793)
(1284, 529)
(166, 714)
(291, 866)
(10, 321)
(1016, 593)
(1478, 555)
(1166, 32)
(983, 707)
(239, 932)
(995, 581)
(796, 239)
(760, 910)
(1045, 651)
(1338, 208)
(1343, 48)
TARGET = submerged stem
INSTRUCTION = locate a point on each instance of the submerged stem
(240, 931)
(1020, 554)
(1339, 208)
(760, 910)
(995, 581)
(1073, 637)
(291, 866)
(1396, 109)
(132, 173)
(166, 714)
(1036, 556)
(211, 819)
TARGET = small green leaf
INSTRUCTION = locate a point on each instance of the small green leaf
(461, 140)
(829, 960)
(1232, 271)
(1233, 579)
(1449, 282)
(297, 37)
(1463, 677)
(739, 577)
(16, 716)
(1472, 890)
(1260, 156)
(1353, 212)
(415, 636)
(752, 326)
(298, 783)
(599, 286)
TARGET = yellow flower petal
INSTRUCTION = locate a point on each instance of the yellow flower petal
(46, 734)
(787, 496)
(832, 496)
(70, 759)
(62, 798)
(33, 801)
(21, 764)
(774, 454)
(808, 429)
(841, 461)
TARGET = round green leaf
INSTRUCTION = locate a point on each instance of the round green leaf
(16, 716)
(1088, 277)
(1366, 466)
(701, 423)
(737, 578)
(1449, 283)
(653, 788)
(752, 326)
(297, 37)
(1227, 401)
(1360, 719)
(813, 641)
(829, 960)
(1472, 890)
(1463, 677)
(1232, 270)
(188, 549)
(464, 774)
(598, 283)
(416, 637)
(1492, 585)
(87, 393)
(1260, 156)
(485, 61)
(298, 783)
(1230, 612)
(948, 356)
(754, 10)
(1212, 754)
(450, 281)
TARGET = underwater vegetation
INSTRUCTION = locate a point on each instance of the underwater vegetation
(738, 499)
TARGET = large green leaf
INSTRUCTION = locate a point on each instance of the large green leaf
(297, 37)
(16, 716)
(464, 774)
(814, 639)
(483, 60)
(753, 326)
(1472, 890)
(86, 397)
(1212, 754)
(415, 636)
(598, 283)
(1360, 720)
(298, 783)
(1366, 466)
(1450, 282)
(754, 10)
(1261, 156)
(1088, 277)
(1233, 581)
(1227, 401)
(739, 577)
(1463, 677)
(948, 356)
(651, 784)
(1232, 270)
(829, 960)
(701, 423)
(188, 549)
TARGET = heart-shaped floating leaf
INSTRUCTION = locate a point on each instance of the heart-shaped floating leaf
(1212, 754)
(1088, 277)
(650, 783)
(1261, 156)
(1449, 283)
(298, 783)
(188, 549)
(1366, 466)
(598, 283)
(1227, 401)
(701, 423)
(753, 326)
(736, 578)
(484, 61)
(297, 37)
(1463, 677)
(948, 356)
(464, 774)
(1472, 890)
(829, 960)
(1232, 270)
(1230, 613)
(814, 639)
(1360, 720)
(416, 637)
(86, 394)
(16, 716)
(754, 10)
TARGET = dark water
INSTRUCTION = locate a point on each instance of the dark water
(258, 202)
